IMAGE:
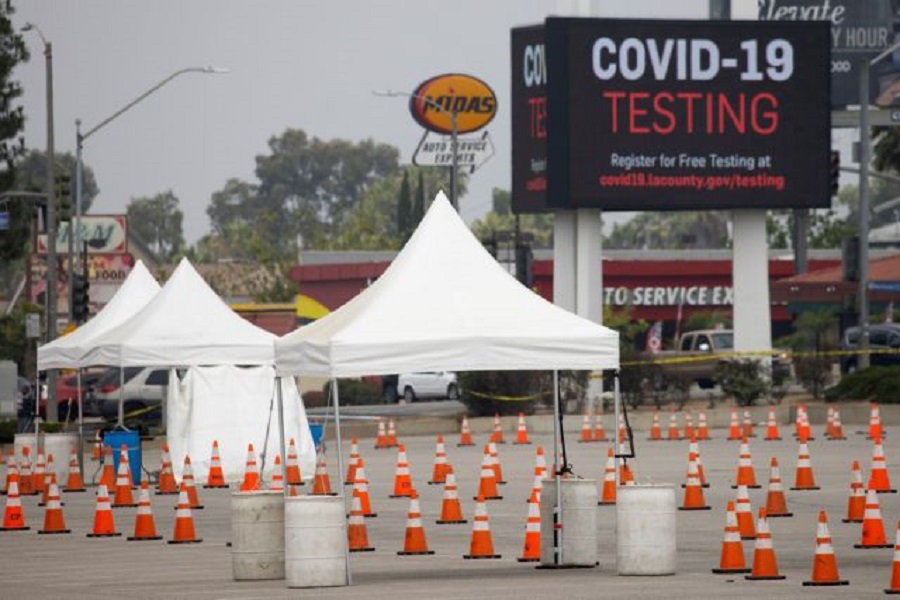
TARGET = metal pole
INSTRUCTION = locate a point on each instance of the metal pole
(280, 395)
(52, 275)
(864, 159)
(557, 510)
(616, 425)
(337, 439)
(454, 138)
(79, 175)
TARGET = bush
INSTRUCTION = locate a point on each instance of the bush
(487, 393)
(876, 384)
(743, 379)
(7, 431)
(354, 392)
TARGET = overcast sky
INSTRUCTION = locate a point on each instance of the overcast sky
(294, 64)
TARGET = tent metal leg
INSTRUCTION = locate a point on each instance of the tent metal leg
(80, 423)
(340, 458)
(280, 395)
(557, 513)
(617, 443)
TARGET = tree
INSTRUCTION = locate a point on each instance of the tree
(501, 218)
(31, 174)
(418, 209)
(886, 149)
(14, 241)
(672, 230)
(158, 221)
(404, 209)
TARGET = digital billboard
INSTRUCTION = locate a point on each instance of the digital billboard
(529, 119)
(685, 115)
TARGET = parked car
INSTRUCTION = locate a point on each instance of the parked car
(413, 386)
(67, 395)
(144, 388)
(882, 336)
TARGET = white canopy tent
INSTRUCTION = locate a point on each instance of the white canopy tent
(188, 325)
(136, 291)
(444, 304)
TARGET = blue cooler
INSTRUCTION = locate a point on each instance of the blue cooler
(132, 440)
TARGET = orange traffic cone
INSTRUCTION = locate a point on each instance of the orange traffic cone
(487, 485)
(451, 510)
(744, 513)
(322, 482)
(537, 485)
(521, 431)
(689, 425)
(829, 422)
(694, 454)
(531, 551)
(875, 431)
(745, 473)
(732, 558)
(599, 432)
(747, 430)
(402, 478)
(12, 472)
(623, 433)
(108, 476)
(74, 482)
(872, 527)
(414, 542)
(497, 434)
(123, 495)
(97, 447)
(357, 533)
(251, 472)
(776, 505)
(37, 477)
(215, 478)
(587, 432)
(804, 479)
(765, 563)
(381, 441)
(772, 433)
(392, 434)
(734, 428)
(655, 429)
(825, 569)
(277, 484)
(693, 491)
(26, 476)
(895, 570)
(540, 462)
(187, 483)
(674, 435)
(144, 525)
(856, 503)
(482, 545)
(441, 466)
(608, 494)
(702, 427)
(878, 478)
(837, 429)
(165, 484)
(13, 517)
(351, 464)
(104, 525)
(292, 468)
(361, 489)
(626, 477)
(465, 436)
(49, 477)
(184, 520)
(54, 521)
(495, 463)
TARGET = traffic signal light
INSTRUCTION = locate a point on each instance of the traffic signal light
(80, 298)
(525, 264)
(835, 172)
(63, 187)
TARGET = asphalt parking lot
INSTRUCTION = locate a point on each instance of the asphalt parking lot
(73, 566)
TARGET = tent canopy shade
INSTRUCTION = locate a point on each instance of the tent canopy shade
(445, 304)
(138, 289)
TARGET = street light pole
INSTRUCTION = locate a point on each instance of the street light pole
(454, 134)
(865, 157)
(81, 137)
(52, 275)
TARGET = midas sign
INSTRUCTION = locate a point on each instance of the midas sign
(433, 103)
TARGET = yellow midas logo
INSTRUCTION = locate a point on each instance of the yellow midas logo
(435, 101)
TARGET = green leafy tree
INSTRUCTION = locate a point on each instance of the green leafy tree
(418, 208)
(404, 209)
(158, 221)
(31, 174)
(886, 149)
(671, 230)
(14, 241)
(501, 218)
(815, 335)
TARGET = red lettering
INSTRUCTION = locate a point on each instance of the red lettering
(634, 112)
(538, 117)
(614, 108)
(664, 113)
(770, 116)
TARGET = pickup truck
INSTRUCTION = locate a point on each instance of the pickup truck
(700, 352)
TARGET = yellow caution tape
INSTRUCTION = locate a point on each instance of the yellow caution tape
(506, 398)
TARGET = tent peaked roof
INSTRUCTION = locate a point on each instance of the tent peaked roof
(186, 324)
(133, 295)
(445, 304)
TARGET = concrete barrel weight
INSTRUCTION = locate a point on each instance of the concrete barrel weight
(645, 530)
(579, 517)
(315, 541)
(257, 534)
